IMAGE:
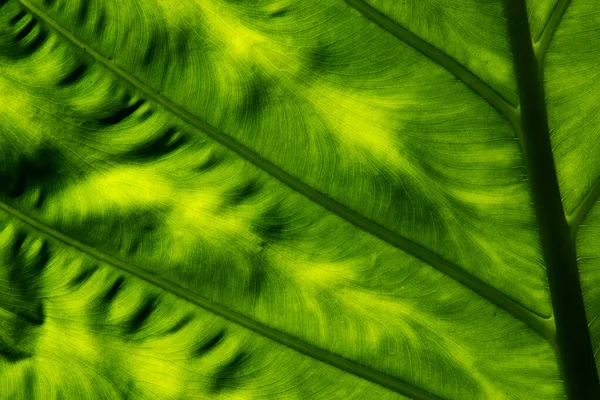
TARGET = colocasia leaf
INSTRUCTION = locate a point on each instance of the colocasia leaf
(299, 199)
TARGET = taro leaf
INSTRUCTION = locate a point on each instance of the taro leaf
(299, 199)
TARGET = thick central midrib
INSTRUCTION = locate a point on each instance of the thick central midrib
(572, 335)
(280, 337)
(541, 325)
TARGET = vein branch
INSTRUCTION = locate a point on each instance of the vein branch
(541, 325)
(573, 340)
(541, 45)
(248, 323)
(583, 209)
(467, 77)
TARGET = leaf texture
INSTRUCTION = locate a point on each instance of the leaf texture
(278, 199)
(105, 335)
(422, 192)
(574, 106)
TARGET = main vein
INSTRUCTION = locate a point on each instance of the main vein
(490, 95)
(541, 325)
(541, 45)
(286, 340)
(572, 335)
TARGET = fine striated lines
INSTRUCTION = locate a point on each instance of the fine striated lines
(540, 47)
(490, 95)
(543, 326)
(35, 319)
(208, 345)
(286, 340)
(73, 76)
(576, 218)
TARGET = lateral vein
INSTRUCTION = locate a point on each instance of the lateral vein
(576, 218)
(541, 45)
(248, 323)
(539, 324)
(510, 112)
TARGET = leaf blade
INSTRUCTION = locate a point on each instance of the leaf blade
(252, 325)
(496, 100)
(403, 206)
(87, 331)
(540, 324)
(155, 149)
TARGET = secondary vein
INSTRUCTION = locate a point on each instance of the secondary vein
(467, 77)
(541, 45)
(583, 209)
(543, 326)
(280, 337)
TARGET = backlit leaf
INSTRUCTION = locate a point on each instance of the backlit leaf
(298, 199)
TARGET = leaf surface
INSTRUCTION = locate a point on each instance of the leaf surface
(574, 110)
(273, 199)
(344, 111)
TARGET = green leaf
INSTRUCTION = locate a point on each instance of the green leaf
(298, 199)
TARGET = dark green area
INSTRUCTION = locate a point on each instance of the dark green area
(572, 335)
